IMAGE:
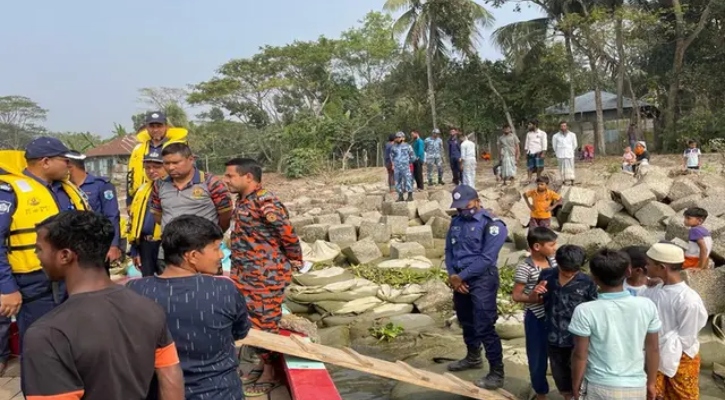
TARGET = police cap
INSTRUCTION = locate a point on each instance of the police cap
(44, 146)
(462, 194)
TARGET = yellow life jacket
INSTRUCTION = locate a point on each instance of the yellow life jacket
(13, 160)
(136, 175)
(137, 212)
(34, 204)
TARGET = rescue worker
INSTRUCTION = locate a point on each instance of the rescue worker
(265, 252)
(401, 155)
(473, 243)
(454, 155)
(468, 161)
(155, 134)
(434, 156)
(27, 197)
(144, 234)
(101, 196)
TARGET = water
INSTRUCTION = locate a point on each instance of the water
(356, 385)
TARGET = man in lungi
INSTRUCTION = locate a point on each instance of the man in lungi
(509, 149)
(535, 147)
(565, 144)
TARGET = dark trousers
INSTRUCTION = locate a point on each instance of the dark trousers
(536, 351)
(391, 176)
(418, 173)
(148, 252)
(4, 338)
(456, 170)
(477, 313)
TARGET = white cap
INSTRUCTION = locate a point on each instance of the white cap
(666, 253)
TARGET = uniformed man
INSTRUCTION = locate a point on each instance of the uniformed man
(101, 196)
(265, 251)
(28, 197)
(155, 134)
(401, 155)
(144, 234)
(472, 246)
(434, 156)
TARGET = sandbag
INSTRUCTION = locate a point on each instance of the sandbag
(340, 291)
(406, 295)
(417, 262)
(323, 277)
(511, 327)
(357, 306)
(320, 252)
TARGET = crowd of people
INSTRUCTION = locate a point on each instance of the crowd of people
(170, 334)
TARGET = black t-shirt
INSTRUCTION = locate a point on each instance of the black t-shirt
(102, 345)
(643, 156)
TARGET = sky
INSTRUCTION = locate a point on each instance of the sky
(84, 60)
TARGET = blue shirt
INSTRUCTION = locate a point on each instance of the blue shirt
(388, 152)
(616, 325)
(560, 302)
(473, 244)
(102, 198)
(419, 149)
(205, 315)
(454, 148)
(8, 205)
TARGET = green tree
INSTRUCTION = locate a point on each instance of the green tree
(20, 119)
(435, 23)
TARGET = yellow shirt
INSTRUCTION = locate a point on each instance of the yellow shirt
(541, 201)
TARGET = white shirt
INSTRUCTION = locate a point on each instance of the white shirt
(692, 156)
(634, 290)
(535, 142)
(468, 150)
(682, 314)
(564, 145)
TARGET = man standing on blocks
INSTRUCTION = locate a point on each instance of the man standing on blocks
(565, 144)
(434, 156)
(401, 155)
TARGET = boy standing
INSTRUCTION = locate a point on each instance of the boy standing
(683, 314)
(543, 200)
(636, 281)
(609, 334)
(699, 239)
(691, 157)
(535, 148)
(561, 289)
(542, 244)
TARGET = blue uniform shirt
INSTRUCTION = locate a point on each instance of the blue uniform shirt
(102, 198)
(388, 152)
(454, 148)
(8, 204)
(473, 244)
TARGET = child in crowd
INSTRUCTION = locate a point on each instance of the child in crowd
(641, 155)
(691, 157)
(542, 244)
(561, 289)
(609, 334)
(628, 159)
(700, 240)
(683, 314)
(543, 201)
(636, 281)
(588, 153)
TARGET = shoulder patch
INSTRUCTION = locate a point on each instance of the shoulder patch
(108, 195)
(271, 217)
(494, 230)
(5, 207)
(5, 187)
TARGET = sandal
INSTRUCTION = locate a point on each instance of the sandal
(257, 389)
(252, 376)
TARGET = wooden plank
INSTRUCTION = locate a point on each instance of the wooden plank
(386, 369)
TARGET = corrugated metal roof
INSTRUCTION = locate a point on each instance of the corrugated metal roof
(585, 104)
(121, 146)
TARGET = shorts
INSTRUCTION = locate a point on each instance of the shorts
(560, 362)
(695, 168)
(591, 391)
(542, 222)
(533, 161)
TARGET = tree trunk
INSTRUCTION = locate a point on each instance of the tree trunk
(503, 104)
(619, 38)
(429, 55)
(572, 71)
(636, 114)
(599, 141)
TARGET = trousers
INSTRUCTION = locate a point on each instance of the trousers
(469, 172)
(391, 175)
(418, 173)
(477, 314)
(536, 345)
(434, 162)
(403, 179)
(456, 170)
(148, 251)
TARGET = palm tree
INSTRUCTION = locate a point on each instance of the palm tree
(521, 41)
(442, 26)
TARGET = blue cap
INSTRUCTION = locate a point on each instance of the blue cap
(156, 117)
(153, 155)
(462, 194)
(44, 146)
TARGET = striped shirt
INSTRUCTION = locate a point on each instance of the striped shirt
(528, 273)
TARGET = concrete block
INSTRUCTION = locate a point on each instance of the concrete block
(328, 219)
(682, 187)
(314, 232)
(676, 227)
(349, 210)
(377, 231)
(299, 222)
(362, 252)
(440, 226)
(658, 183)
(653, 214)
(620, 222)
(398, 224)
(633, 236)
(353, 220)
(635, 198)
(430, 209)
(715, 206)
(606, 209)
(420, 234)
(400, 250)
(373, 216)
(591, 240)
(354, 199)
(577, 196)
(372, 202)
(708, 283)
(342, 235)
(443, 197)
(686, 202)
(584, 215)
(574, 229)
(399, 208)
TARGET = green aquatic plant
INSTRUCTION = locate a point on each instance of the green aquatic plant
(386, 332)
